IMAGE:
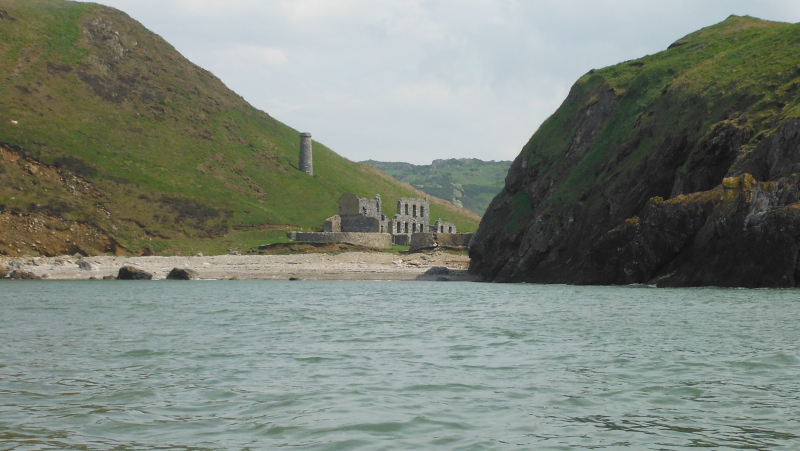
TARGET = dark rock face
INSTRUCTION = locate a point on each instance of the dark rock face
(713, 230)
(584, 202)
(133, 273)
(518, 242)
(741, 234)
(182, 274)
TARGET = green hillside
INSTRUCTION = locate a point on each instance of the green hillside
(466, 182)
(169, 156)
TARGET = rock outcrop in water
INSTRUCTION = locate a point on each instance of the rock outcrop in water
(19, 274)
(182, 274)
(679, 169)
(133, 273)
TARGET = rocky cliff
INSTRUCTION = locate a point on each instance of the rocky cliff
(679, 169)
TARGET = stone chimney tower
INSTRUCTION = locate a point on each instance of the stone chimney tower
(306, 163)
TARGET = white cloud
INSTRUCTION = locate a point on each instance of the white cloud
(412, 93)
(416, 80)
(255, 55)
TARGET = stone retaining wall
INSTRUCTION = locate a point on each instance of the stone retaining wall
(377, 240)
(420, 241)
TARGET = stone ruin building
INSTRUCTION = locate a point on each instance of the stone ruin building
(358, 214)
(362, 222)
(364, 215)
(413, 216)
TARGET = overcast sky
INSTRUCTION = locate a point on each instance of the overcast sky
(417, 80)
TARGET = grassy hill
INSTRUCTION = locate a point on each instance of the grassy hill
(105, 125)
(466, 182)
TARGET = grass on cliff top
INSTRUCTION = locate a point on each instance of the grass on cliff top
(743, 69)
(175, 155)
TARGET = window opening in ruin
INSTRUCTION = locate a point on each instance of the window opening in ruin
(422, 211)
(415, 210)
(406, 209)
(406, 227)
(450, 230)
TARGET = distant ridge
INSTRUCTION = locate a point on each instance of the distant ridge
(113, 141)
(466, 182)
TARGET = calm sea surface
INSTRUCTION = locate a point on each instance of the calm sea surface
(240, 365)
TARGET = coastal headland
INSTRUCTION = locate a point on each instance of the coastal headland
(676, 169)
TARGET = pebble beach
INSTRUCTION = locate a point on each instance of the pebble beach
(344, 266)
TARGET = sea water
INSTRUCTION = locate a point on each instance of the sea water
(240, 365)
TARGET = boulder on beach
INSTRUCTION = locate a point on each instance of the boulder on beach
(438, 271)
(133, 273)
(3, 271)
(182, 274)
(19, 274)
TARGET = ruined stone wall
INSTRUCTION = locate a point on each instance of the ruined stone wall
(443, 227)
(360, 224)
(421, 241)
(351, 205)
(361, 214)
(370, 207)
(376, 240)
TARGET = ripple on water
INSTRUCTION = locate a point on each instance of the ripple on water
(361, 365)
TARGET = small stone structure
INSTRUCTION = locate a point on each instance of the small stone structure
(333, 224)
(362, 216)
(306, 163)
